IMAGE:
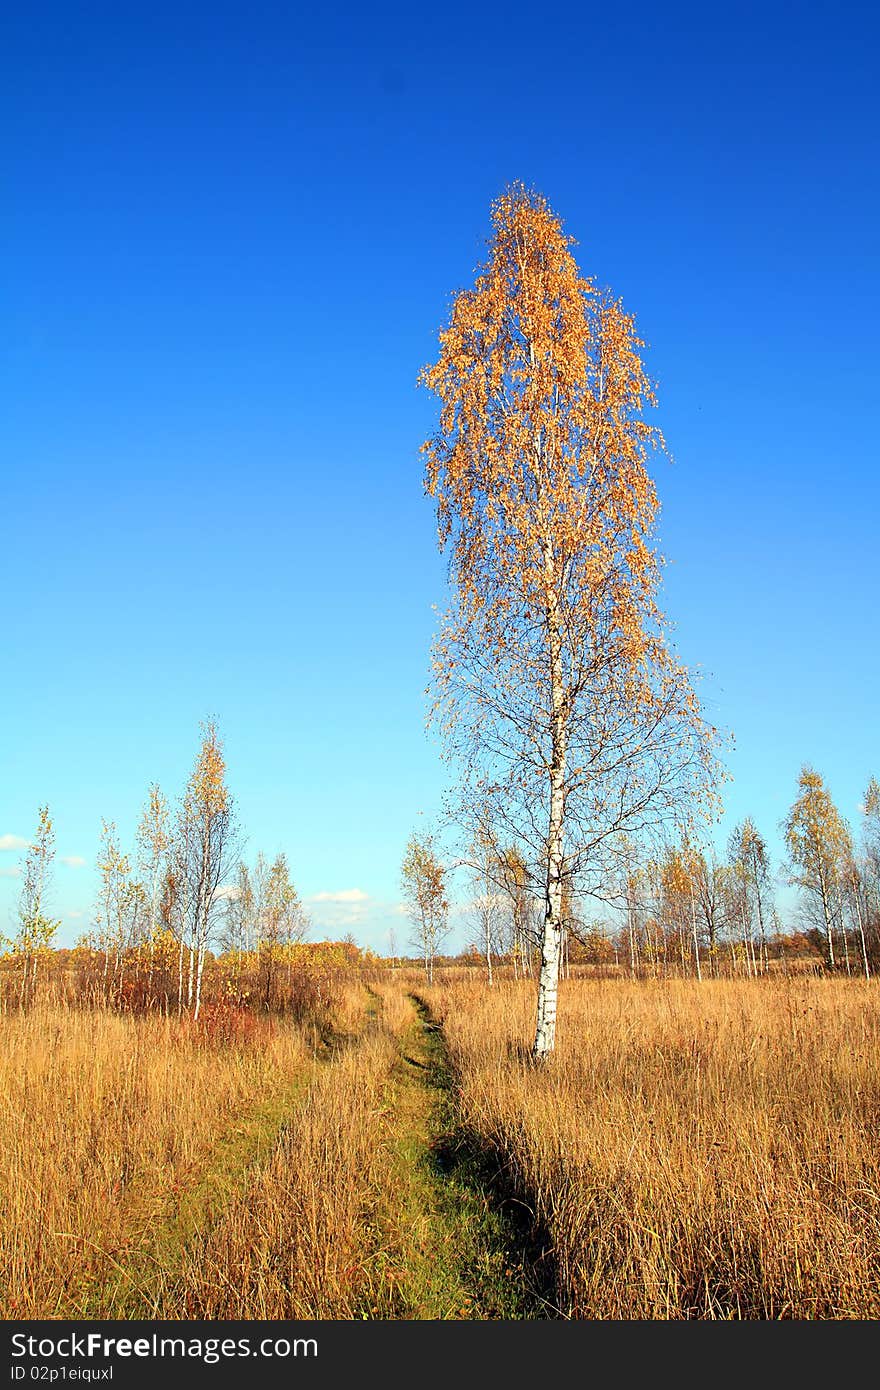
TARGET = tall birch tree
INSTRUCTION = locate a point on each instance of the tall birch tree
(557, 692)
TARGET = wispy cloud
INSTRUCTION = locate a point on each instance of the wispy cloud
(12, 842)
(73, 916)
(343, 910)
(10, 873)
(345, 895)
(73, 861)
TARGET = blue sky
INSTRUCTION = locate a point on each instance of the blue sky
(231, 235)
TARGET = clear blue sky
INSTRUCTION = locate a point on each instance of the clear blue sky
(231, 233)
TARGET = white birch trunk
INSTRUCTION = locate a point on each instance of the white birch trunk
(180, 974)
(862, 933)
(200, 961)
(551, 940)
(696, 937)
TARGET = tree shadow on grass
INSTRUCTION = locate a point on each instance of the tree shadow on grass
(510, 1250)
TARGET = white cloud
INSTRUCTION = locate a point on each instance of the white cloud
(73, 861)
(12, 842)
(341, 911)
(10, 873)
(73, 916)
(229, 890)
(345, 895)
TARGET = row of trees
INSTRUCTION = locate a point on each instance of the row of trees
(183, 889)
(689, 903)
(839, 878)
(676, 905)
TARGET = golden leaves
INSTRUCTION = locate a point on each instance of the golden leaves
(816, 834)
(540, 440)
(206, 792)
(538, 469)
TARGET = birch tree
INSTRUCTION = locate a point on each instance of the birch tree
(710, 879)
(488, 903)
(35, 928)
(679, 870)
(153, 841)
(750, 866)
(120, 908)
(206, 852)
(281, 920)
(855, 881)
(423, 885)
(557, 693)
(871, 832)
(239, 923)
(520, 909)
(819, 848)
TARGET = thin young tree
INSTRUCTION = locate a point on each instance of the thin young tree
(557, 692)
(392, 949)
(206, 851)
(855, 883)
(871, 841)
(629, 896)
(710, 880)
(423, 885)
(120, 909)
(239, 923)
(280, 924)
(819, 848)
(520, 909)
(750, 865)
(35, 928)
(488, 904)
(153, 842)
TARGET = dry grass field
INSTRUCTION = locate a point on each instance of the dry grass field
(691, 1151)
(117, 1132)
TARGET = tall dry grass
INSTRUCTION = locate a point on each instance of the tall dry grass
(108, 1123)
(296, 1243)
(691, 1150)
(303, 1239)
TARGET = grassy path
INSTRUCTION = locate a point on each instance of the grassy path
(347, 1193)
(164, 1230)
(445, 1247)
(129, 1282)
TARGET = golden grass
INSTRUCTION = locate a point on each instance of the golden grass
(302, 1239)
(296, 1243)
(156, 1168)
(107, 1121)
(692, 1151)
(352, 1217)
